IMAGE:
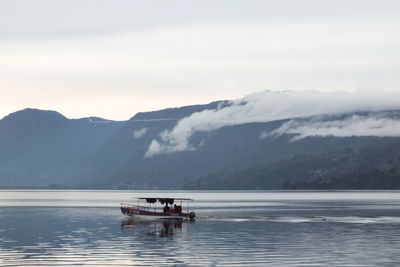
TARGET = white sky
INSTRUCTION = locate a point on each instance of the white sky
(113, 58)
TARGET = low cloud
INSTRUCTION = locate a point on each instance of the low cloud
(353, 126)
(269, 106)
(139, 133)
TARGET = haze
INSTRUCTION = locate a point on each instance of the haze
(115, 58)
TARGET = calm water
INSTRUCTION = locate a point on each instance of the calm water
(47, 228)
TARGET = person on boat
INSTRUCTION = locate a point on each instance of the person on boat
(167, 208)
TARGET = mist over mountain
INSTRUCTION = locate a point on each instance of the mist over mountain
(269, 140)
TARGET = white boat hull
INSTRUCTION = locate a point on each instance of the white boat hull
(153, 215)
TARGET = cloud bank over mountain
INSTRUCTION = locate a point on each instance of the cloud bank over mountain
(139, 133)
(353, 126)
(271, 106)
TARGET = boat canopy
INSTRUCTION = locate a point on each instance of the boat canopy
(164, 200)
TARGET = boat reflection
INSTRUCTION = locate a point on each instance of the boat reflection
(157, 228)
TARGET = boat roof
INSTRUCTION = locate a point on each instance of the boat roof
(164, 198)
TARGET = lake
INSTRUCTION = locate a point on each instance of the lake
(260, 228)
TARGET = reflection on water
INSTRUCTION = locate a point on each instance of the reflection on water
(242, 228)
(155, 228)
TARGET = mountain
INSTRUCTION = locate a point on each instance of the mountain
(40, 147)
(358, 166)
(375, 167)
(120, 161)
(231, 157)
(320, 162)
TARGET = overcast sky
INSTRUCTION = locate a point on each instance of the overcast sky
(113, 58)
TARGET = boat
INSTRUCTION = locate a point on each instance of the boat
(149, 208)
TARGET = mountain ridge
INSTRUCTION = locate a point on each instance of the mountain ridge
(44, 148)
(39, 147)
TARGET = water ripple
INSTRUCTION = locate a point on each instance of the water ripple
(231, 230)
